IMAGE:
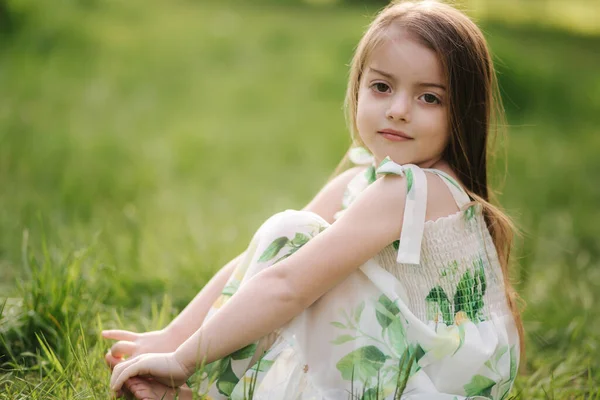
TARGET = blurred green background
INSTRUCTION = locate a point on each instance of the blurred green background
(143, 142)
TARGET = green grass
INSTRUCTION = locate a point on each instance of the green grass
(141, 146)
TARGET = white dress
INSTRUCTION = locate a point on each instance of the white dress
(426, 318)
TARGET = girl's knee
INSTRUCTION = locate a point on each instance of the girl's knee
(294, 221)
(286, 232)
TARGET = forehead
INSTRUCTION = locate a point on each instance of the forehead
(403, 55)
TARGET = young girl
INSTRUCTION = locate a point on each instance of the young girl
(406, 293)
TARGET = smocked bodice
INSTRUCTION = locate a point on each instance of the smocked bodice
(445, 265)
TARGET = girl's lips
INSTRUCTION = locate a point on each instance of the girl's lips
(394, 136)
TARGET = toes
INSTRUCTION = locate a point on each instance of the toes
(138, 388)
(143, 389)
(132, 382)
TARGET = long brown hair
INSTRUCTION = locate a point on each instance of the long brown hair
(475, 108)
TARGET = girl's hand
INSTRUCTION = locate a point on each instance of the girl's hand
(131, 344)
(163, 368)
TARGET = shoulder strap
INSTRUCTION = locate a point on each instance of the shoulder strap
(413, 224)
(460, 196)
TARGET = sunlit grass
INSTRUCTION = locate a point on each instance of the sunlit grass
(140, 147)
(580, 16)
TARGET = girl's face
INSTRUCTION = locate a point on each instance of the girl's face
(402, 102)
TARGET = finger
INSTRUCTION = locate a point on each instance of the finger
(117, 334)
(115, 373)
(122, 372)
(111, 360)
(123, 348)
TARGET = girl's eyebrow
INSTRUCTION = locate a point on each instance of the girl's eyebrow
(387, 75)
(436, 85)
(393, 78)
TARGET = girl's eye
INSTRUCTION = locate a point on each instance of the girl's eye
(431, 99)
(380, 87)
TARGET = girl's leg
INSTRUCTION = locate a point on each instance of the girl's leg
(278, 238)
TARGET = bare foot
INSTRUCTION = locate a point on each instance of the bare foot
(144, 389)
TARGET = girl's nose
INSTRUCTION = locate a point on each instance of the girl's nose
(399, 108)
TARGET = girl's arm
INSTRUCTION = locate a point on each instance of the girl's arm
(326, 203)
(191, 318)
(279, 293)
(131, 344)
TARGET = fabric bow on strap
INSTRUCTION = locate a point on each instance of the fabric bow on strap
(413, 225)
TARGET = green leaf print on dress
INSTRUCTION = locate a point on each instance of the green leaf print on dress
(438, 297)
(219, 372)
(382, 360)
(479, 386)
(388, 313)
(220, 375)
(233, 283)
(397, 337)
(273, 249)
(227, 378)
(363, 364)
(470, 291)
(467, 298)
(466, 305)
(502, 388)
(231, 287)
(371, 394)
(248, 382)
(244, 352)
(299, 240)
